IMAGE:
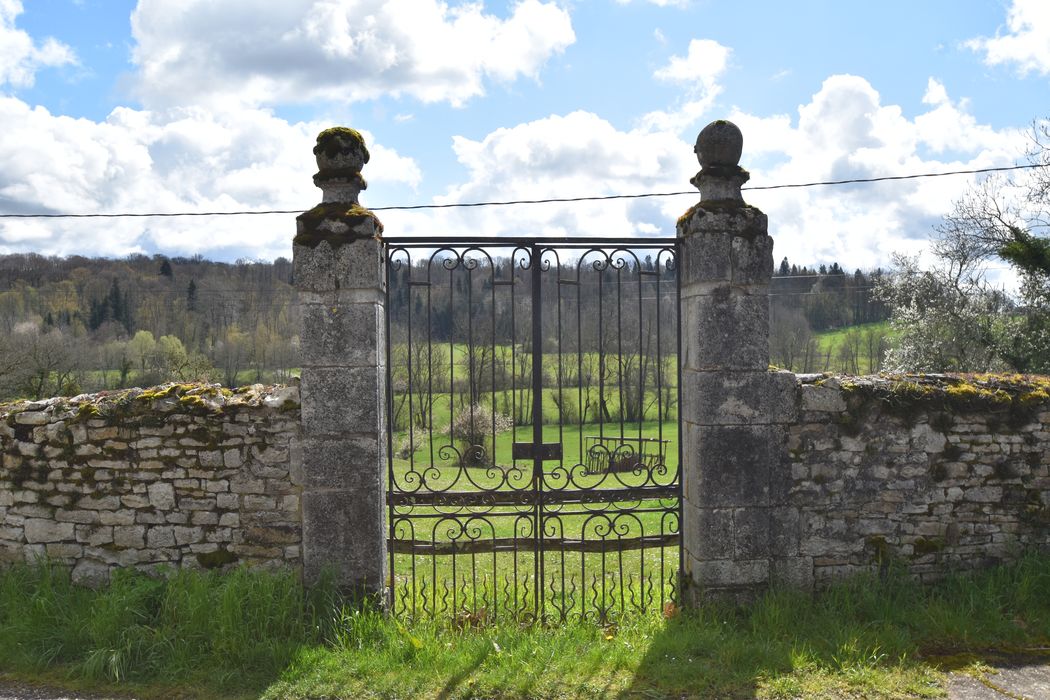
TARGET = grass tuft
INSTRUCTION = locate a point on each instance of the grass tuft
(246, 633)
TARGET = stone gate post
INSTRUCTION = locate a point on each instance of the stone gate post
(339, 276)
(736, 533)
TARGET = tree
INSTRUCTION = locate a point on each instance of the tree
(948, 317)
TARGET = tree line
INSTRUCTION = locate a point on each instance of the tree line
(72, 324)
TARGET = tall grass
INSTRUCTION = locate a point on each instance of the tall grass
(252, 632)
(221, 630)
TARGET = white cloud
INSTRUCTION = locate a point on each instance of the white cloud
(844, 131)
(187, 159)
(660, 3)
(698, 73)
(703, 63)
(1026, 43)
(20, 56)
(201, 51)
(578, 154)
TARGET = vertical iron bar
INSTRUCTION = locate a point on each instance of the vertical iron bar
(678, 376)
(619, 347)
(537, 420)
(390, 426)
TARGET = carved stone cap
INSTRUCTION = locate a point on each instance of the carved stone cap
(339, 218)
(340, 153)
(718, 148)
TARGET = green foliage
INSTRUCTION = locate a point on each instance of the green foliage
(873, 636)
(72, 325)
(224, 631)
(947, 317)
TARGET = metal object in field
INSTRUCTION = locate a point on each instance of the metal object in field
(533, 410)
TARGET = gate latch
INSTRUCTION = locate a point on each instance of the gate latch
(529, 450)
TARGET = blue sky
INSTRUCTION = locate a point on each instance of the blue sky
(182, 105)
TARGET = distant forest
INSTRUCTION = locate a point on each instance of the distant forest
(75, 324)
(82, 324)
(807, 301)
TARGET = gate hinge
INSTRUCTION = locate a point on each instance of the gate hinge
(528, 450)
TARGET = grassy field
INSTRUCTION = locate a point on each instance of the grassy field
(854, 349)
(480, 576)
(252, 634)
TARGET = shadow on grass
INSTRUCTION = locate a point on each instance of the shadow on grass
(705, 654)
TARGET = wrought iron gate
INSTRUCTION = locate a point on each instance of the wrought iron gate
(533, 410)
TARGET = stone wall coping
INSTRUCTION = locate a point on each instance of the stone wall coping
(169, 397)
(963, 389)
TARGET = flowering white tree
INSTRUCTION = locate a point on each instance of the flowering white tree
(948, 318)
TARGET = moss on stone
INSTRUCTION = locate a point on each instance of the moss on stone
(340, 140)
(927, 545)
(311, 229)
(219, 558)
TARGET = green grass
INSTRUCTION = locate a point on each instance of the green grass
(248, 634)
(834, 341)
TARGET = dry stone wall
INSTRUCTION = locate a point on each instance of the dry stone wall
(934, 472)
(177, 475)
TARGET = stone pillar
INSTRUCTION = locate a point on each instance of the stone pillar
(737, 534)
(339, 276)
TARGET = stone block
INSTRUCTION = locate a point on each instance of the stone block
(826, 399)
(730, 466)
(727, 573)
(94, 535)
(347, 463)
(345, 335)
(341, 401)
(116, 517)
(751, 535)
(95, 502)
(704, 259)
(345, 531)
(129, 537)
(31, 418)
(785, 531)
(161, 495)
(63, 550)
(794, 572)
(40, 530)
(752, 259)
(355, 265)
(742, 221)
(757, 397)
(726, 329)
(707, 533)
(161, 536)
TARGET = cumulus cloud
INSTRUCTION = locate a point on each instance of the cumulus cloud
(20, 56)
(186, 159)
(846, 132)
(843, 131)
(1026, 41)
(577, 154)
(201, 51)
(698, 73)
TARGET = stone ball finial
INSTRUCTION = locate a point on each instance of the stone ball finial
(340, 154)
(341, 148)
(720, 143)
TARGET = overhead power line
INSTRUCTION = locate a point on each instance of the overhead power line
(510, 202)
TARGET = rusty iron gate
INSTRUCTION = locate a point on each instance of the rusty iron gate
(533, 428)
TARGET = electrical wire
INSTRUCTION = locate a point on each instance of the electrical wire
(551, 200)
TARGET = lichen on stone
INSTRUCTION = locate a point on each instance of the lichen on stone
(341, 140)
